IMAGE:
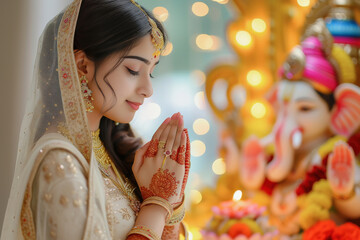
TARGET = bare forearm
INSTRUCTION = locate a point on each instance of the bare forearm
(150, 221)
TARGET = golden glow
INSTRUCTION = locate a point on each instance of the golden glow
(200, 77)
(168, 49)
(303, 3)
(200, 9)
(258, 110)
(201, 126)
(258, 25)
(219, 167)
(198, 148)
(243, 38)
(237, 195)
(254, 78)
(199, 100)
(161, 13)
(195, 196)
(204, 41)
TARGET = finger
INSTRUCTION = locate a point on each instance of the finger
(139, 157)
(164, 135)
(178, 139)
(187, 161)
(161, 128)
(180, 156)
(172, 134)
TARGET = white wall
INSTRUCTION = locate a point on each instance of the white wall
(21, 23)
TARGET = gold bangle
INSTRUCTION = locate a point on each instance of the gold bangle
(177, 215)
(160, 202)
(144, 231)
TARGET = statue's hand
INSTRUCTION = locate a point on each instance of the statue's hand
(341, 170)
(252, 163)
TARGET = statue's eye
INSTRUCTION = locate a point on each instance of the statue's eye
(305, 108)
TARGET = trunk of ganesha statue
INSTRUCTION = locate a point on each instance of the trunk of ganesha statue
(287, 137)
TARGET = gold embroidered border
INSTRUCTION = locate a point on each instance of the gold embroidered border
(74, 107)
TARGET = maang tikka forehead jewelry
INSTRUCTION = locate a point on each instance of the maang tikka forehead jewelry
(157, 37)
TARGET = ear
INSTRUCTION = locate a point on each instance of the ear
(272, 96)
(84, 65)
(346, 113)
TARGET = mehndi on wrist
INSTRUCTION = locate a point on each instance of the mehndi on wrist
(144, 231)
(177, 215)
(160, 202)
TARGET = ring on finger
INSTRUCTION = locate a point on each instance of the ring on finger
(161, 144)
(166, 154)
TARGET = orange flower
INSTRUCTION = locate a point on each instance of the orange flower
(347, 231)
(322, 230)
(239, 228)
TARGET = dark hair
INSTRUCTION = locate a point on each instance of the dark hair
(328, 98)
(106, 27)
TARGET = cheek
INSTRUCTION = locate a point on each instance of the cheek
(315, 123)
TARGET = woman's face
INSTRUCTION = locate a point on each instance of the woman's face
(130, 81)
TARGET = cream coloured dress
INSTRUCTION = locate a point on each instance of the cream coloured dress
(59, 202)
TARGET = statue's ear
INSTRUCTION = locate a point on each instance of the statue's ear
(272, 96)
(345, 117)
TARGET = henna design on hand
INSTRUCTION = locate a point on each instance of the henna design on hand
(187, 163)
(181, 155)
(170, 233)
(163, 184)
(173, 155)
(152, 149)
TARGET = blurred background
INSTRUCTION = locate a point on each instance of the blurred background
(221, 60)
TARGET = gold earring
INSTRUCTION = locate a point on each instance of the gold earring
(86, 94)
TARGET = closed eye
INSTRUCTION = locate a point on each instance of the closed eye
(132, 72)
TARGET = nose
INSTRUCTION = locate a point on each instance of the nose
(145, 89)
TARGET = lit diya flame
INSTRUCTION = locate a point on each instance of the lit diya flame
(237, 195)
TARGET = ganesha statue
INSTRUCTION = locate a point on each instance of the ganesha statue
(308, 165)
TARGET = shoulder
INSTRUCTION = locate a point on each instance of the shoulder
(58, 159)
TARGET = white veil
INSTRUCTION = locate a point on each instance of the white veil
(55, 106)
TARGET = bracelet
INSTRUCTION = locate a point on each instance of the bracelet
(178, 214)
(144, 231)
(160, 202)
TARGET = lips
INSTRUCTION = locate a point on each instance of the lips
(134, 105)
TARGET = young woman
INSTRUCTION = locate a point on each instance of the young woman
(80, 172)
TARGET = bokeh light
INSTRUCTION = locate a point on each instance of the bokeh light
(243, 38)
(219, 166)
(199, 76)
(198, 148)
(200, 9)
(168, 49)
(254, 78)
(195, 196)
(161, 13)
(258, 25)
(258, 110)
(204, 41)
(201, 126)
(208, 42)
(152, 110)
(199, 100)
(303, 3)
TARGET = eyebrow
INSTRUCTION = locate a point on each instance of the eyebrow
(306, 99)
(141, 59)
